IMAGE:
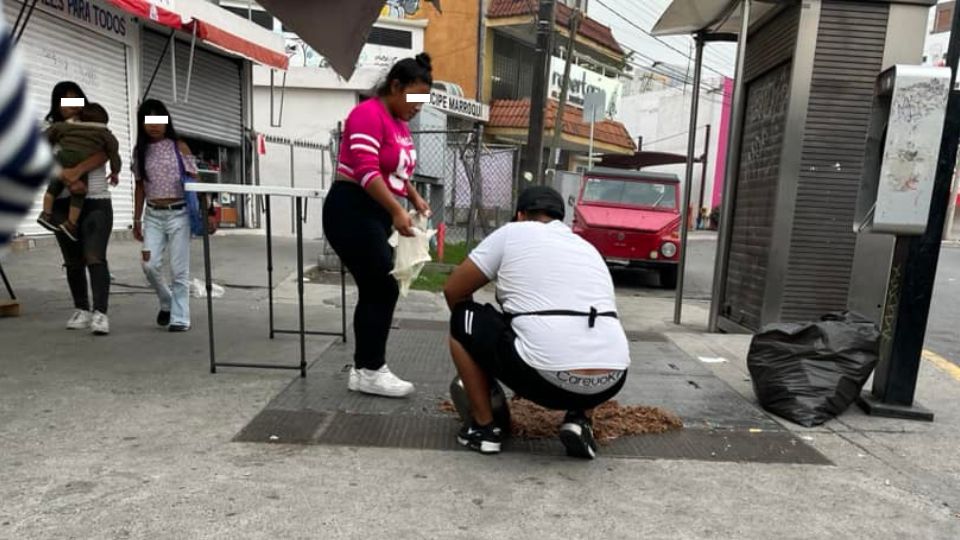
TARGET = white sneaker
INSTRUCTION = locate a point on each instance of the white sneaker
(380, 382)
(80, 320)
(100, 324)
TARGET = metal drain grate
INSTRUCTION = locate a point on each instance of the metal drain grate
(721, 425)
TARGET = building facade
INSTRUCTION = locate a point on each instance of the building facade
(121, 56)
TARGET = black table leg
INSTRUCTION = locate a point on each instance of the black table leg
(269, 263)
(303, 337)
(209, 283)
(6, 283)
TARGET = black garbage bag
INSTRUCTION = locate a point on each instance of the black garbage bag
(811, 372)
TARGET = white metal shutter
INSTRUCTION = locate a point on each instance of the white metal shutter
(55, 50)
(214, 111)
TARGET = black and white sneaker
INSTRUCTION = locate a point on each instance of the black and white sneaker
(486, 439)
(576, 434)
(46, 221)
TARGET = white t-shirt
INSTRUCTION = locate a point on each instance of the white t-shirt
(545, 266)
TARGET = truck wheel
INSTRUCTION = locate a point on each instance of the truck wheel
(668, 278)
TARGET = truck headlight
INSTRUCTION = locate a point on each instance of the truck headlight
(669, 249)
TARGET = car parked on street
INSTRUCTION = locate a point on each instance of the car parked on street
(632, 218)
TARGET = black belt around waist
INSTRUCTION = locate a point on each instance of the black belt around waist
(171, 206)
(591, 315)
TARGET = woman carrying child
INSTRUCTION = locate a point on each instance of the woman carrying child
(78, 141)
(94, 225)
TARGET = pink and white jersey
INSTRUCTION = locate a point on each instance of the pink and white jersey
(375, 144)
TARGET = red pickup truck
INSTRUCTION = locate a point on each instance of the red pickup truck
(632, 218)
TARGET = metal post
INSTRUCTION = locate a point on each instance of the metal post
(193, 49)
(6, 283)
(208, 279)
(266, 203)
(552, 162)
(303, 334)
(173, 65)
(912, 278)
(952, 208)
(688, 180)
(593, 125)
(292, 184)
(18, 32)
(541, 83)
(703, 168)
(732, 172)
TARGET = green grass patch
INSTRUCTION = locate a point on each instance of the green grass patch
(431, 279)
(454, 253)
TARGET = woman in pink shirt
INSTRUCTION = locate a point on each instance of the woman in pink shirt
(376, 163)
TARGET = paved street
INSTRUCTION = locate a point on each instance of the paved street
(129, 436)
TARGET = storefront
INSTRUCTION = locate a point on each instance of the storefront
(210, 118)
(94, 45)
(120, 52)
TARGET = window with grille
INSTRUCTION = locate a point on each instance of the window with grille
(388, 37)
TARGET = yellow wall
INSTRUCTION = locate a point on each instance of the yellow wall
(451, 40)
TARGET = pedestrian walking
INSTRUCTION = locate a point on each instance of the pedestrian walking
(25, 159)
(88, 254)
(375, 165)
(161, 219)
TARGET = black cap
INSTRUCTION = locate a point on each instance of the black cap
(541, 198)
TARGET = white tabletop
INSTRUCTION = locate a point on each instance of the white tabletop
(238, 189)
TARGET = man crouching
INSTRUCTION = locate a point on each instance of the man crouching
(556, 340)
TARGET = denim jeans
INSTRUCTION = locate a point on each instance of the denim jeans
(168, 232)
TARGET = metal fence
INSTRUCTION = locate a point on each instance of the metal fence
(301, 163)
(471, 199)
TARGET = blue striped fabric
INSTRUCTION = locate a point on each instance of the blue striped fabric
(26, 161)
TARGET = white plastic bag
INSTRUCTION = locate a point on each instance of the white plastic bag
(198, 289)
(411, 253)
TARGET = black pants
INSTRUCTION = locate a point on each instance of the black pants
(487, 335)
(89, 254)
(357, 228)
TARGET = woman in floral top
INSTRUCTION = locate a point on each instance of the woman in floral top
(163, 223)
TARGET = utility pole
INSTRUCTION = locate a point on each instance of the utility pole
(915, 260)
(952, 208)
(538, 98)
(564, 91)
(703, 168)
(476, 193)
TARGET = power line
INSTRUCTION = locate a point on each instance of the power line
(662, 41)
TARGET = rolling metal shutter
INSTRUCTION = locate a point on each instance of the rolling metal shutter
(215, 110)
(849, 57)
(55, 50)
(767, 72)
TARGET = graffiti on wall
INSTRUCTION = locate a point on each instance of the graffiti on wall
(400, 9)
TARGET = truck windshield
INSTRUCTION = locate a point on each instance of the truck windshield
(630, 192)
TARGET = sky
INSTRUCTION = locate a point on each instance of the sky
(625, 16)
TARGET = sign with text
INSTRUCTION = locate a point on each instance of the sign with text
(459, 107)
(96, 16)
(583, 82)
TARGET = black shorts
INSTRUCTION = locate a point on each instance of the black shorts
(487, 335)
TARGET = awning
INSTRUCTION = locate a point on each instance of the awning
(337, 29)
(215, 26)
(712, 16)
(152, 12)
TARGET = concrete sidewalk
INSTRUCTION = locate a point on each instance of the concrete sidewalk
(128, 436)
